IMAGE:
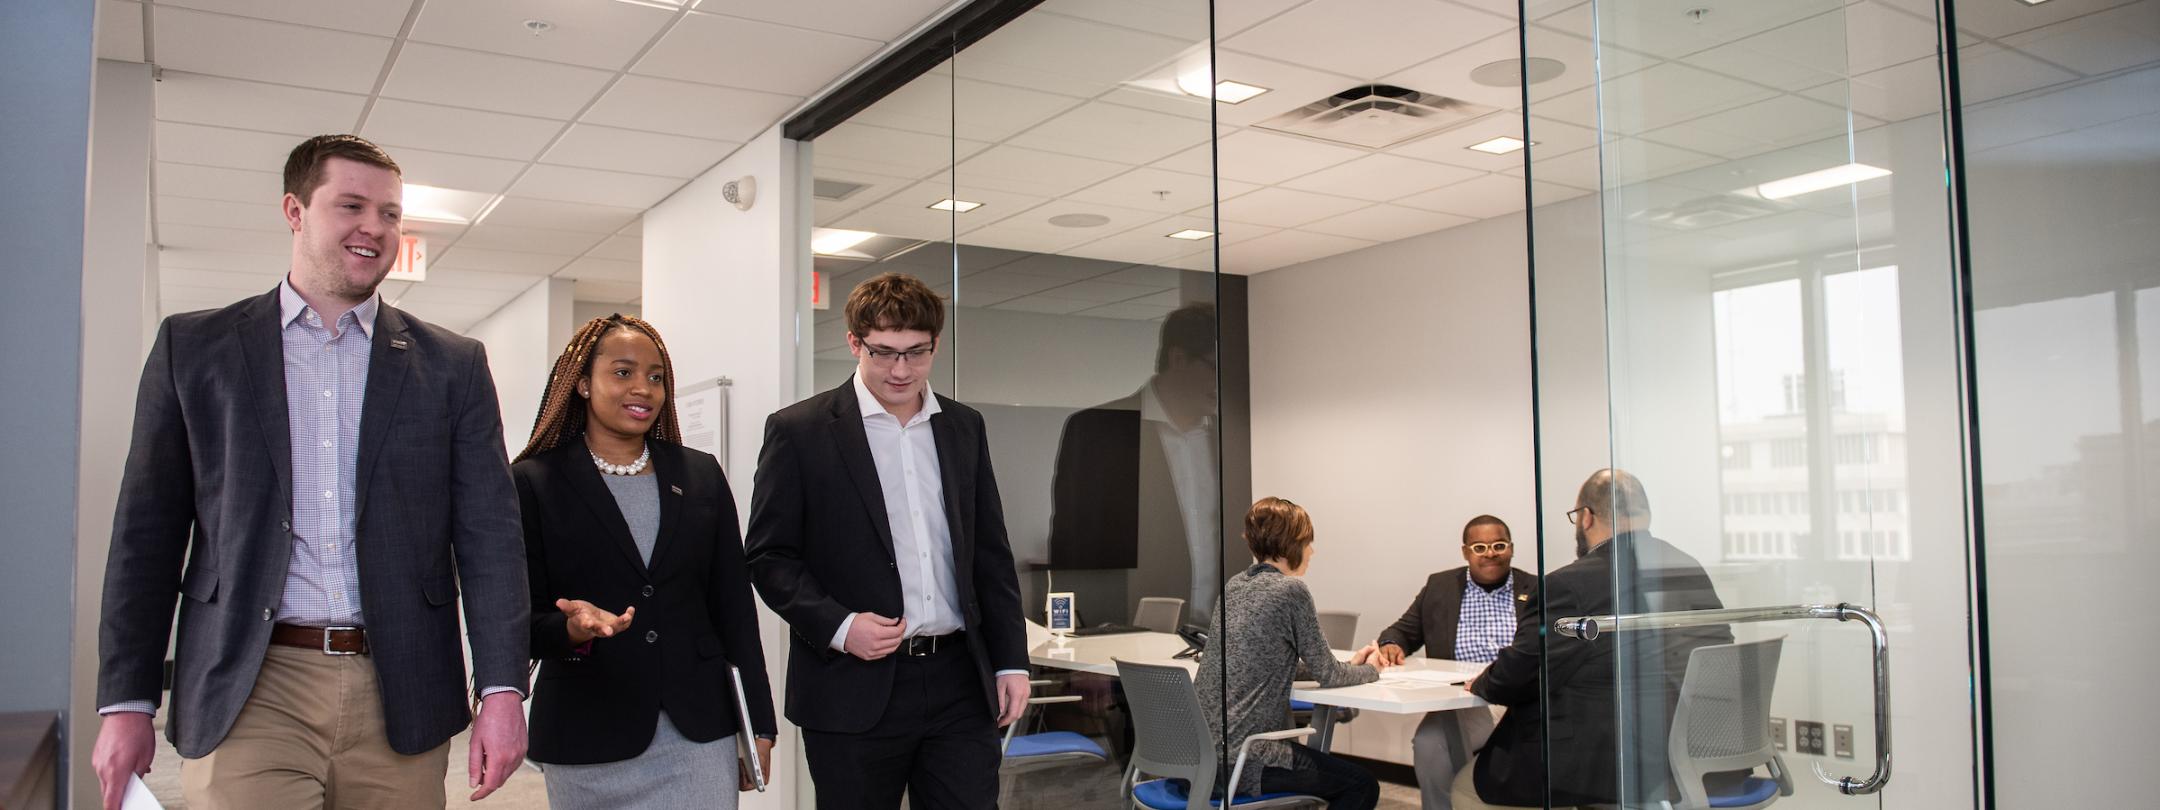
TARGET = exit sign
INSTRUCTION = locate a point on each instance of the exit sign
(411, 260)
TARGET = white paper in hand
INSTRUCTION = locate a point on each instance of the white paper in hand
(138, 796)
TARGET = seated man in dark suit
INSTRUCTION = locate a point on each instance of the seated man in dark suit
(1465, 613)
(1608, 703)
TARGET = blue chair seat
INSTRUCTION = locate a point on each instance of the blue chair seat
(1170, 794)
(1301, 705)
(1052, 742)
(1755, 790)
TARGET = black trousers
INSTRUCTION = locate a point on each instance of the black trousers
(1345, 786)
(937, 742)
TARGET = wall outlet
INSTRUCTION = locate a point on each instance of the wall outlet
(1777, 733)
(1841, 741)
(1808, 737)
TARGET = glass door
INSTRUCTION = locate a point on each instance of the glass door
(1750, 407)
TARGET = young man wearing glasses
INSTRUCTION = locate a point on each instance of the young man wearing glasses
(1462, 614)
(876, 532)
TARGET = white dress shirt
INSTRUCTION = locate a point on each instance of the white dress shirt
(914, 492)
(1190, 454)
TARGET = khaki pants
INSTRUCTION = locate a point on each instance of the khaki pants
(1444, 741)
(311, 736)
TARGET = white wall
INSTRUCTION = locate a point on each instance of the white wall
(1391, 398)
(523, 339)
(119, 289)
(725, 288)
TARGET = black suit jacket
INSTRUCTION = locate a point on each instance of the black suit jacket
(694, 611)
(820, 548)
(1605, 696)
(1432, 618)
(208, 482)
(1114, 506)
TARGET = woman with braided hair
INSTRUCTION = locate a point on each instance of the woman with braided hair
(634, 709)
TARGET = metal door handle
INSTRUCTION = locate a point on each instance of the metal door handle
(1589, 628)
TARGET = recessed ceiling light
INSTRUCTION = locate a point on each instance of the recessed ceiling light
(1832, 177)
(1190, 234)
(1498, 146)
(447, 205)
(669, 5)
(1229, 92)
(831, 241)
(955, 206)
(2033, 2)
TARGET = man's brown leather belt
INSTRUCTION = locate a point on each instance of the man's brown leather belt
(325, 640)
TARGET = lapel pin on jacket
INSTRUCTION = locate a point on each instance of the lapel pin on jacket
(675, 489)
(399, 344)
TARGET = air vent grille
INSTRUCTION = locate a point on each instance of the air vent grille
(1376, 116)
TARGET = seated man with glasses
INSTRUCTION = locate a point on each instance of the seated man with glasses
(1463, 614)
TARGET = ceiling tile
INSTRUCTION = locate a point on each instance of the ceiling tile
(1367, 39)
(239, 283)
(1619, 163)
(753, 55)
(593, 186)
(462, 172)
(1065, 55)
(1477, 198)
(243, 48)
(994, 286)
(1100, 292)
(620, 248)
(1449, 74)
(1452, 146)
(463, 279)
(600, 35)
(198, 99)
(610, 292)
(270, 266)
(890, 152)
(2004, 19)
(120, 30)
(484, 81)
(231, 240)
(1278, 207)
(628, 150)
(378, 17)
(1662, 27)
(522, 212)
(1785, 120)
(592, 269)
(227, 148)
(1873, 37)
(458, 130)
(1039, 218)
(1386, 223)
(1115, 133)
(2111, 40)
(996, 205)
(1142, 188)
(893, 219)
(1284, 248)
(1166, 280)
(688, 108)
(1129, 311)
(1381, 177)
(491, 236)
(1044, 306)
(1659, 96)
(982, 110)
(1891, 94)
(212, 183)
(426, 292)
(1261, 157)
(261, 215)
(1988, 71)
(1029, 171)
(467, 257)
(882, 20)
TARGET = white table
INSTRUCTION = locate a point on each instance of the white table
(1392, 694)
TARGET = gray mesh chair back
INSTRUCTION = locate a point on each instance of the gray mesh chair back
(1159, 613)
(1170, 735)
(1340, 628)
(1722, 720)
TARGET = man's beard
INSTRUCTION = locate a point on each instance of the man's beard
(1582, 543)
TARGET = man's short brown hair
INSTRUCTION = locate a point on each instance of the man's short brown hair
(1276, 529)
(304, 167)
(897, 302)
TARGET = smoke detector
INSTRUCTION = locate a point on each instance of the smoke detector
(1375, 116)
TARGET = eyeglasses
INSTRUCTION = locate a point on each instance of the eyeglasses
(1572, 519)
(886, 357)
(1494, 547)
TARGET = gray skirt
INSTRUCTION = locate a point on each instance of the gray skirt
(674, 773)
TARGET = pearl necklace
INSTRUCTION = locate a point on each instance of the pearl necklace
(632, 468)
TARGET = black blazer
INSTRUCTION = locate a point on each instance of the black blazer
(820, 548)
(1432, 618)
(1113, 506)
(1584, 701)
(694, 612)
(209, 480)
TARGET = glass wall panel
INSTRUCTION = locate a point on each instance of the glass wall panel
(2061, 116)
(1754, 317)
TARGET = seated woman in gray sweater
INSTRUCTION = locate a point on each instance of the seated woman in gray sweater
(1273, 627)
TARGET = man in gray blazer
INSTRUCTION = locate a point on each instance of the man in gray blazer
(313, 475)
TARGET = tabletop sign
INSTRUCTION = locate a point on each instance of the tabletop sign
(1060, 609)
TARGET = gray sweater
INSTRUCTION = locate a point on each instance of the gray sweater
(1273, 627)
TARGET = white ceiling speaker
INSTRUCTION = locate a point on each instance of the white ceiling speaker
(740, 192)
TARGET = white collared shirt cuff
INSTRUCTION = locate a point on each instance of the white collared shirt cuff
(839, 638)
(137, 706)
(1004, 672)
(494, 689)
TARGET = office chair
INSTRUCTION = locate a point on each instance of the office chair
(1722, 723)
(1159, 613)
(1172, 741)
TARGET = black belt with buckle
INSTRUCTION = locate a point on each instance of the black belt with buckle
(920, 646)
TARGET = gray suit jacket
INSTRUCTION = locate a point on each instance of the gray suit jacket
(208, 486)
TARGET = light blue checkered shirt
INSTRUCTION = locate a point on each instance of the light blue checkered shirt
(1487, 622)
(325, 384)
